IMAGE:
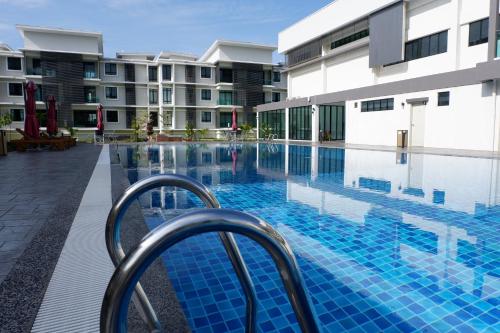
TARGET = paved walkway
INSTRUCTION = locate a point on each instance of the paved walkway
(73, 299)
(32, 185)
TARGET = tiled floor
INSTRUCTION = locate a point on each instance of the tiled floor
(385, 242)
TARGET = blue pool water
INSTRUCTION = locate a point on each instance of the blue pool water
(386, 241)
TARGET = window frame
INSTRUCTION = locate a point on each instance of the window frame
(204, 68)
(14, 70)
(105, 69)
(276, 93)
(377, 105)
(163, 95)
(203, 119)
(23, 113)
(447, 102)
(278, 76)
(106, 93)
(150, 90)
(156, 73)
(8, 89)
(204, 96)
(163, 70)
(117, 117)
(414, 48)
(481, 39)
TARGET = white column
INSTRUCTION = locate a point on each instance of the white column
(257, 163)
(314, 162)
(173, 96)
(160, 98)
(257, 117)
(496, 122)
(286, 160)
(162, 171)
(287, 124)
(315, 124)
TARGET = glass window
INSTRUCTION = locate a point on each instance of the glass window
(444, 98)
(111, 116)
(15, 89)
(478, 32)
(90, 94)
(206, 72)
(276, 96)
(206, 117)
(167, 72)
(349, 39)
(226, 75)
(89, 70)
(14, 64)
(153, 73)
(300, 123)
(427, 46)
(378, 105)
(276, 76)
(167, 95)
(153, 96)
(17, 114)
(110, 69)
(39, 93)
(85, 118)
(206, 94)
(225, 98)
(153, 116)
(225, 119)
(111, 92)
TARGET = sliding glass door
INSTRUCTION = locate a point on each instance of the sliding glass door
(332, 122)
(300, 123)
(273, 122)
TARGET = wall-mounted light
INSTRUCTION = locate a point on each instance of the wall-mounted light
(403, 105)
(355, 105)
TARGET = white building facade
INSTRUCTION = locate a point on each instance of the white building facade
(172, 89)
(363, 71)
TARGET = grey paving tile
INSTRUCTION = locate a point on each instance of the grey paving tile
(14, 245)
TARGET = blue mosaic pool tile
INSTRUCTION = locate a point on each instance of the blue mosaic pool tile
(384, 274)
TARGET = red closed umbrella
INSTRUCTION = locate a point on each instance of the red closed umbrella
(100, 123)
(235, 125)
(31, 124)
(51, 116)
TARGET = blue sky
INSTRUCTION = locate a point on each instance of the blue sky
(153, 25)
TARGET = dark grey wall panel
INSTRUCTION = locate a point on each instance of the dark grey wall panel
(387, 35)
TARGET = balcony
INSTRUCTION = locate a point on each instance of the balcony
(267, 83)
(91, 99)
(34, 71)
(89, 75)
(498, 43)
(225, 101)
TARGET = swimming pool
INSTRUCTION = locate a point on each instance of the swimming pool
(386, 241)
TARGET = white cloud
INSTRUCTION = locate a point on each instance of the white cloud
(25, 3)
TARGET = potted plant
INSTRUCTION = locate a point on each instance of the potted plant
(190, 132)
(5, 120)
(246, 129)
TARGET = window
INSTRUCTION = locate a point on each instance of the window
(274, 120)
(154, 118)
(206, 72)
(89, 70)
(90, 94)
(206, 117)
(444, 98)
(15, 89)
(167, 95)
(378, 105)
(167, 72)
(276, 96)
(109, 69)
(153, 73)
(111, 93)
(427, 46)
(111, 116)
(85, 118)
(225, 119)
(226, 75)
(225, 98)
(300, 123)
(14, 64)
(206, 158)
(39, 93)
(153, 96)
(17, 114)
(350, 39)
(478, 32)
(276, 76)
(206, 94)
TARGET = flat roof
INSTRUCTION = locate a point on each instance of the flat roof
(23, 27)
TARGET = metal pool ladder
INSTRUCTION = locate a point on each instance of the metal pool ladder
(131, 267)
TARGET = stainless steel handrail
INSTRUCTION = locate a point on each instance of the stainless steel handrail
(113, 243)
(114, 308)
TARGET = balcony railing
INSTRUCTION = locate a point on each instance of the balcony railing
(224, 101)
(34, 71)
(91, 99)
(90, 75)
(267, 83)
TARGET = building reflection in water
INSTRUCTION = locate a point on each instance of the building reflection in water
(436, 210)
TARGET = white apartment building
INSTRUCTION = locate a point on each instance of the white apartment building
(361, 71)
(172, 89)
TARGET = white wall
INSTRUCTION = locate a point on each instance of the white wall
(306, 82)
(122, 119)
(200, 124)
(245, 54)
(5, 72)
(60, 42)
(348, 71)
(468, 123)
(120, 72)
